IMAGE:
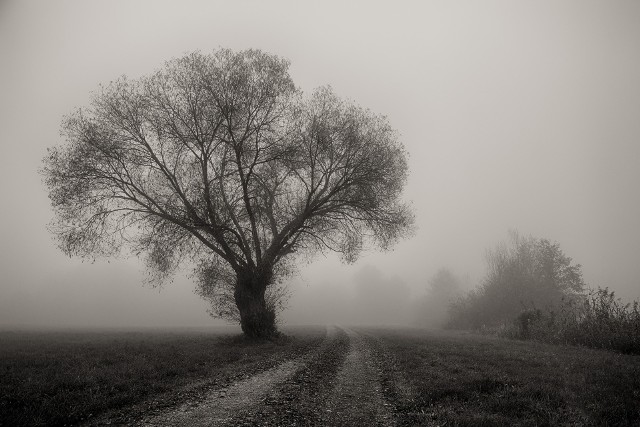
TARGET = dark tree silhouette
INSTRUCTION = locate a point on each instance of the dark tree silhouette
(219, 161)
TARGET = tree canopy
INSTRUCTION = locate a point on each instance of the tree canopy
(220, 161)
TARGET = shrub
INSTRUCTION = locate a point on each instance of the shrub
(527, 272)
(599, 320)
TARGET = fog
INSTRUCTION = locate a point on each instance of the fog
(516, 115)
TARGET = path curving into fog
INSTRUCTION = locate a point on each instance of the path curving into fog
(336, 384)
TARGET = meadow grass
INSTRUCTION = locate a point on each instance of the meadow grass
(438, 378)
(66, 377)
(431, 378)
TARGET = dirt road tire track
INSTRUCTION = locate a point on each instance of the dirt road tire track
(341, 382)
(342, 386)
(300, 401)
(237, 402)
(222, 406)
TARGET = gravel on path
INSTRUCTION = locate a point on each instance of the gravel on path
(223, 405)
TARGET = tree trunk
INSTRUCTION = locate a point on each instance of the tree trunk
(257, 319)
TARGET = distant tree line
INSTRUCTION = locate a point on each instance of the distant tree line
(533, 290)
(524, 274)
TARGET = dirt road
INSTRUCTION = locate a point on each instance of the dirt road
(336, 384)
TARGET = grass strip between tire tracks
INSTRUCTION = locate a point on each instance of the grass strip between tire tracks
(300, 400)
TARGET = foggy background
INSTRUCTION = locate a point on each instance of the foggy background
(517, 115)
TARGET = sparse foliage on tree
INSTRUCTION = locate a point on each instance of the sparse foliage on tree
(220, 162)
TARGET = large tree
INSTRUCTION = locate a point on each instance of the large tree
(220, 162)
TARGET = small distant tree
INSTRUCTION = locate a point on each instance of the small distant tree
(442, 290)
(220, 162)
(379, 299)
(526, 274)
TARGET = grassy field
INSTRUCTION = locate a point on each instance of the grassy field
(55, 378)
(429, 378)
(445, 378)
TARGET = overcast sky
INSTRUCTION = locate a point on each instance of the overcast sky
(516, 114)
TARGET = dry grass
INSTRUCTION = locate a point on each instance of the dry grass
(600, 320)
(430, 378)
(54, 378)
(463, 379)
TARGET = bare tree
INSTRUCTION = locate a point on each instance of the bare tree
(219, 161)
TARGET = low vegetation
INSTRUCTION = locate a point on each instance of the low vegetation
(427, 378)
(600, 320)
(522, 273)
(532, 290)
(56, 378)
(455, 378)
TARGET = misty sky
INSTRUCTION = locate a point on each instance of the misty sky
(517, 115)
